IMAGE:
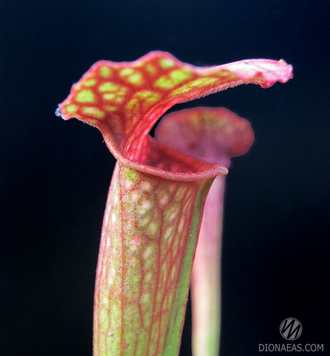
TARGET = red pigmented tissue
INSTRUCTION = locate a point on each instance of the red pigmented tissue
(157, 194)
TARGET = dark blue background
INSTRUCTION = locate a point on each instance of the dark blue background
(55, 175)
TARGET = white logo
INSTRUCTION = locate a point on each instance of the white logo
(291, 329)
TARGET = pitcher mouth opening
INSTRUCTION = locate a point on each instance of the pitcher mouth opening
(159, 160)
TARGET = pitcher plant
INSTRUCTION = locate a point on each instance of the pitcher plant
(156, 198)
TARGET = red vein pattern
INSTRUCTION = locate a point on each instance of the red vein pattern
(135, 292)
(156, 198)
(124, 100)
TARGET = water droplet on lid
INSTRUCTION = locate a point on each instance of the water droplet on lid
(58, 112)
